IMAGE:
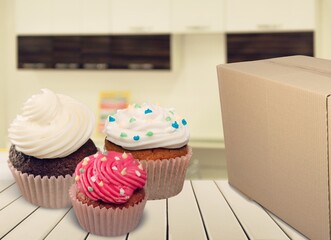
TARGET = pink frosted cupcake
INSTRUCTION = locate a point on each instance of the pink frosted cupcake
(158, 138)
(108, 197)
(49, 138)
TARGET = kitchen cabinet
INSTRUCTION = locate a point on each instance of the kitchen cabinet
(42, 17)
(33, 17)
(66, 52)
(95, 16)
(98, 52)
(35, 52)
(66, 16)
(269, 15)
(197, 16)
(140, 52)
(145, 16)
(95, 52)
(255, 46)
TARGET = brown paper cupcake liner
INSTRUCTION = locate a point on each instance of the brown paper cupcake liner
(106, 222)
(165, 178)
(48, 192)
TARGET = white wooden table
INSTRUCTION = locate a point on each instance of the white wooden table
(203, 210)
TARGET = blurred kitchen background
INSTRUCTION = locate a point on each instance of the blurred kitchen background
(163, 51)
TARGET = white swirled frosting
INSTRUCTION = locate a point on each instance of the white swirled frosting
(51, 126)
(146, 126)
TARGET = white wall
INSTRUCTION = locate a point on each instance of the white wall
(191, 88)
(323, 33)
(3, 131)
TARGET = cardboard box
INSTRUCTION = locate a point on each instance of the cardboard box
(276, 118)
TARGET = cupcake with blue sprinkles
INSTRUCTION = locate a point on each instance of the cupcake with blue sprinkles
(157, 137)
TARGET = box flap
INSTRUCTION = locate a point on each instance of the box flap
(289, 71)
(317, 65)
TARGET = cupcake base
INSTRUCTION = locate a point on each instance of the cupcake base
(166, 168)
(106, 221)
(48, 192)
(148, 154)
(165, 178)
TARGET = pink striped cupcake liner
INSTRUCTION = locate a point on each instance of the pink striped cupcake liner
(47, 192)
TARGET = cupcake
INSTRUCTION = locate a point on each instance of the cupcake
(48, 139)
(108, 197)
(158, 138)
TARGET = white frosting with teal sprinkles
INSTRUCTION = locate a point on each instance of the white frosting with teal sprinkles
(147, 126)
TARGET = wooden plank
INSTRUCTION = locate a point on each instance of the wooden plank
(37, 225)
(218, 217)
(67, 229)
(153, 224)
(256, 222)
(95, 237)
(6, 178)
(9, 195)
(13, 214)
(291, 232)
(4, 184)
(184, 218)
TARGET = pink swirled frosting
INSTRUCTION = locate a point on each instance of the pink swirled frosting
(111, 177)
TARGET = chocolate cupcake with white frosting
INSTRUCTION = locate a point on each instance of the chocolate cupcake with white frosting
(156, 136)
(49, 138)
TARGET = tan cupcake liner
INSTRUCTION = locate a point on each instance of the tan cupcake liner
(48, 192)
(106, 222)
(165, 178)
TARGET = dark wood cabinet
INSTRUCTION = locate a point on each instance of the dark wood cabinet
(146, 52)
(95, 52)
(66, 52)
(256, 46)
(140, 52)
(35, 52)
